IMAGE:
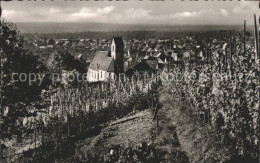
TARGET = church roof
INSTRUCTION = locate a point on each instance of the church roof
(102, 61)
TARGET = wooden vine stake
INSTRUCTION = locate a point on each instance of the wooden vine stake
(244, 39)
(256, 39)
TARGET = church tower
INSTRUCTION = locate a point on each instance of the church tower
(117, 52)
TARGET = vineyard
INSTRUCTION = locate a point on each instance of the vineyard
(221, 93)
(78, 112)
(224, 95)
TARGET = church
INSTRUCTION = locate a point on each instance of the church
(106, 64)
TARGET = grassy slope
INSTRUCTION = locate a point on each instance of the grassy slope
(128, 131)
(132, 130)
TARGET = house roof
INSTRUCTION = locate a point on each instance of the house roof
(129, 60)
(174, 54)
(149, 50)
(160, 60)
(186, 54)
(79, 56)
(158, 55)
(112, 67)
(152, 62)
(146, 57)
(81, 43)
(102, 61)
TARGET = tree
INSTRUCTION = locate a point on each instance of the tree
(17, 94)
(61, 59)
(51, 42)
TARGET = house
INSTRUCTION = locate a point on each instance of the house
(186, 55)
(49, 46)
(106, 64)
(43, 47)
(158, 47)
(174, 55)
(152, 62)
(128, 63)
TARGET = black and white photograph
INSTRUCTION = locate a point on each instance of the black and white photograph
(129, 81)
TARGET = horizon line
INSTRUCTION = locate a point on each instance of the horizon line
(142, 24)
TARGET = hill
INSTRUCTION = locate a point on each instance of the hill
(52, 27)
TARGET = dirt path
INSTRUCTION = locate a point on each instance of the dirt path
(200, 142)
(167, 139)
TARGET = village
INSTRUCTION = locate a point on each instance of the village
(162, 53)
(148, 54)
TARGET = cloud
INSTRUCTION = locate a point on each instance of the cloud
(245, 7)
(224, 12)
(205, 16)
(105, 10)
(185, 14)
(11, 14)
(54, 10)
(90, 13)
(140, 15)
(57, 14)
(134, 15)
(139, 12)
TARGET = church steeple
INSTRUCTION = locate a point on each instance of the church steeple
(117, 51)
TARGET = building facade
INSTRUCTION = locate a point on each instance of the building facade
(107, 64)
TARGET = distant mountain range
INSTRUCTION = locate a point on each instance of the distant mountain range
(52, 27)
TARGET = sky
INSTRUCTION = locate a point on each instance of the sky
(167, 12)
